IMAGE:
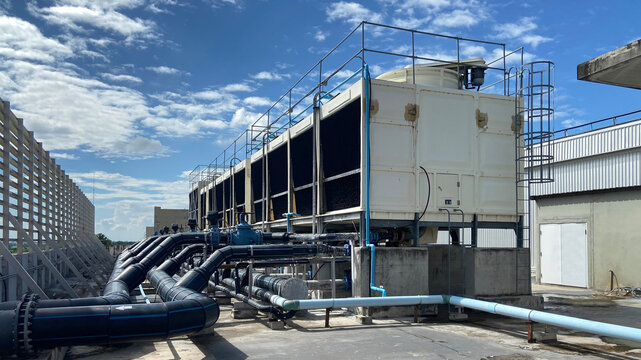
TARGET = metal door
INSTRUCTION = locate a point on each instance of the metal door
(564, 254)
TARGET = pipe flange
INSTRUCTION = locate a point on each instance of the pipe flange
(26, 311)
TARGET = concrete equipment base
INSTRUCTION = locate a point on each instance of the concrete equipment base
(243, 311)
(276, 324)
(364, 320)
(223, 300)
(544, 333)
(458, 315)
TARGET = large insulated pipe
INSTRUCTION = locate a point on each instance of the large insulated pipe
(287, 287)
(137, 247)
(172, 265)
(142, 252)
(198, 278)
(135, 274)
(34, 328)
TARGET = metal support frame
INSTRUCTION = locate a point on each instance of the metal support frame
(67, 261)
(22, 273)
(38, 196)
(83, 258)
(45, 260)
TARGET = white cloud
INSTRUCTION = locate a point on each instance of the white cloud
(242, 118)
(426, 4)
(254, 101)
(75, 14)
(237, 88)
(163, 70)
(143, 148)
(521, 30)
(514, 30)
(22, 40)
(457, 18)
(268, 75)
(126, 78)
(65, 106)
(63, 156)
(410, 22)
(5, 6)
(125, 204)
(535, 40)
(320, 35)
(351, 13)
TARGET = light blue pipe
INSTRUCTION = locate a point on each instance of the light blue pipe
(355, 302)
(142, 292)
(367, 170)
(371, 270)
(568, 322)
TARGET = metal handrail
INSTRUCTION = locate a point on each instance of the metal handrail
(255, 131)
(592, 123)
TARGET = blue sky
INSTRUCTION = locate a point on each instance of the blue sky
(136, 93)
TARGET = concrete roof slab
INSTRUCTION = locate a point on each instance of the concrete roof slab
(621, 67)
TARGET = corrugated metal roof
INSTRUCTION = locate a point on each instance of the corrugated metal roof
(602, 159)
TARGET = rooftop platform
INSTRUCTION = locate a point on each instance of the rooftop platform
(485, 337)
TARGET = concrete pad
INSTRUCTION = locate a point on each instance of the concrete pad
(243, 311)
(489, 338)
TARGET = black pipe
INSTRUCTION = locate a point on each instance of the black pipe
(197, 278)
(137, 247)
(172, 265)
(135, 274)
(108, 324)
(143, 252)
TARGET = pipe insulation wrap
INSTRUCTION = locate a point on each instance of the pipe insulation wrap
(287, 287)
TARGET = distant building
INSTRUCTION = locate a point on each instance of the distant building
(167, 217)
(149, 231)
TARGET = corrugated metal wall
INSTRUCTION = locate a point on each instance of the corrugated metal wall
(603, 159)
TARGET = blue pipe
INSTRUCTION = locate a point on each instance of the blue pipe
(568, 322)
(144, 296)
(355, 302)
(367, 234)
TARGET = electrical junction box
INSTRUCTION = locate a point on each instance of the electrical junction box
(447, 190)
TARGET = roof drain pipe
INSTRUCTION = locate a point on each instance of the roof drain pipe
(367, 170)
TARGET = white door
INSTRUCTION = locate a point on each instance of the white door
(564, 254)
